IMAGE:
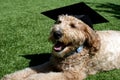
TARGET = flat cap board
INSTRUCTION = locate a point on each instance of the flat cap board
(80, 11)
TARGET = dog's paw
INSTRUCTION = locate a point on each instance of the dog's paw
(7, 77)
(11, 77)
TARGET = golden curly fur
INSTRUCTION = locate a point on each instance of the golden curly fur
(101, 52)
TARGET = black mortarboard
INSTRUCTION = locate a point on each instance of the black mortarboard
(80, 11)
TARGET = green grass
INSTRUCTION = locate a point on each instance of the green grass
(24, 31)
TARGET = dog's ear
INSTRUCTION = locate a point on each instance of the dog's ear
(92, 40)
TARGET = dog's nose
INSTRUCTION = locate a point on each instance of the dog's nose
(57, 34)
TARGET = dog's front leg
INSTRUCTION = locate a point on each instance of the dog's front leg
(67, 75)
(22, 74)
(47, 76)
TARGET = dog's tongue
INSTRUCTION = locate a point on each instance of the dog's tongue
(58, 46)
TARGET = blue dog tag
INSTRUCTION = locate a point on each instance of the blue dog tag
(79, 49)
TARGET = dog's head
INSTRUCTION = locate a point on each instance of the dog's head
(69, 33)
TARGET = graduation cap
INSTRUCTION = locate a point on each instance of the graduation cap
(80, 11)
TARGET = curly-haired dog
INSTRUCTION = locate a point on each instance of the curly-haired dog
(78, 51)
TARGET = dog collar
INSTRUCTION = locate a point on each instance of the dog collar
(78, 50)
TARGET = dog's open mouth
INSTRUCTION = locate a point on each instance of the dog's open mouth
(59, 46)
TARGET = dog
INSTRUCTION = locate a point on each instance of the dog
(78, 51)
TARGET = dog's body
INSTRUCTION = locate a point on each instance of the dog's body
(100, 51)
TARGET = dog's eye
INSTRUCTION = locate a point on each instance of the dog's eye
(58, 22)
(72, 25)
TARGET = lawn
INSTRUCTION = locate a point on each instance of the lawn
(24, 31)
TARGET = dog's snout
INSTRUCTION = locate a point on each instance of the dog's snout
(57, 34)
